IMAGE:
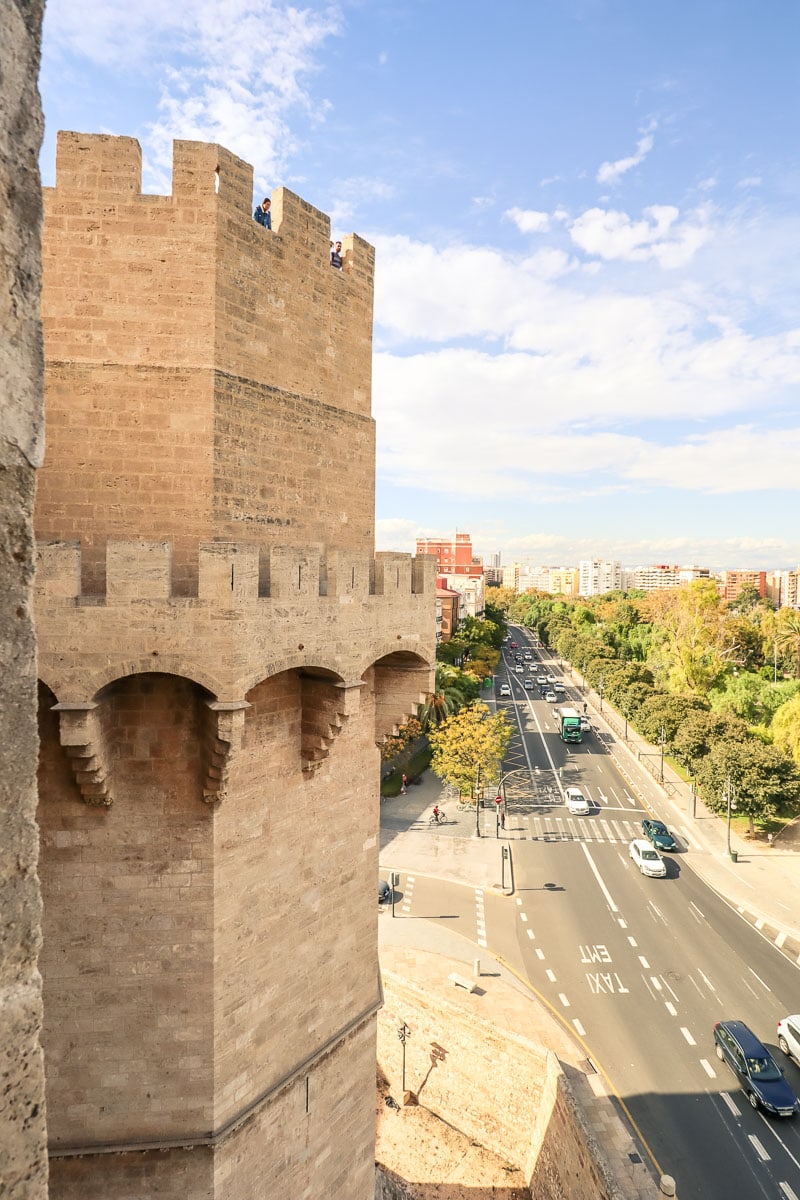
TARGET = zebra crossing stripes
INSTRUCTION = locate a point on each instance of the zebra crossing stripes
(557, 828)
(480, 917)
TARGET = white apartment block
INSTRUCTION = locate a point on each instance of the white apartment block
(598, 575)
(472, 592)
(511, 576)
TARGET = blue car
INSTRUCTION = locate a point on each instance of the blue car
(759, 1075)
(657, 833)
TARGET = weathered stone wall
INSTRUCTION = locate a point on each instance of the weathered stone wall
(23, 1170)
(213, 685)
(205, 377)
(494, 1085)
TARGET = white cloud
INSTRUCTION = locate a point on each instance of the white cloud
(750, 181)
(243, 69)
(528, 220)
(659, 234)
(350, 195)
(610, 172)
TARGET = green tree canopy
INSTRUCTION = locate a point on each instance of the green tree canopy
(763, 778)
(786, 727)
(662, 711)
(473, 738)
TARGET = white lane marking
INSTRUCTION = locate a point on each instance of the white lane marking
(670, 990)
(603, 797)
(644, 962)
(696, 912)
(633, 942)
(530, 934)
(759, 1149)
(688, 1036)
(707, 1067)
(706, 980)
(551, 975)
(692, 979)
(578, 1027)
(731, 1104)
(750, 987)
(787, 1191)
(523, 917)
(670, 1007)
(630, 800)
(563, 999)
(540, 954)
(519, 900)
(623, 924)
(656, 982)
(602, 886)
(758, 977)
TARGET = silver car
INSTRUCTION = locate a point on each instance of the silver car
(647, 859)
(789, 1037)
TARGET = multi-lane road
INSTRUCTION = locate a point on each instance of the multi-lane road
(638, 969)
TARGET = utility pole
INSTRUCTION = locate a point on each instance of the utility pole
(662, 741)
(729, 793)
(600, 686)
(478, 801)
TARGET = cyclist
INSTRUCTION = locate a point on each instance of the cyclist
(437, 812)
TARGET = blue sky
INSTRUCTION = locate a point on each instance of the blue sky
(587, 221)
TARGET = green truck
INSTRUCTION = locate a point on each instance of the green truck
(569, 724)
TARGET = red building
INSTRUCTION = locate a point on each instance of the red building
(732, 582)
(453, 557)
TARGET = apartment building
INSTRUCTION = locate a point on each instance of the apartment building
(597, 575)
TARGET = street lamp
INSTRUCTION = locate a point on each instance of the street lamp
(625, 715)
(729, 795)
(404, 1033)
(600, 686)
(583, 677)
(662, 741)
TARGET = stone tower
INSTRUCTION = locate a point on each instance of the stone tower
(219, 650)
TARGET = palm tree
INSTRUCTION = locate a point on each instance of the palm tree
(445, 700)
(787, 634)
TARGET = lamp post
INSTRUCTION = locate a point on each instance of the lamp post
(583, 677)
(600, 686)
(404, 1033)
(662, 741)
(729, 795)
(625, 715)
(478, 801)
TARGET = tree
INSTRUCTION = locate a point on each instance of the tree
(452, 689)
(477, 632)
(471, 739)
(787, 634)
(700, 731)
(690, 654)
(785, 727)
(663, 712)
(763, 779)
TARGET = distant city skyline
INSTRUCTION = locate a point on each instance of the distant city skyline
(584, 214)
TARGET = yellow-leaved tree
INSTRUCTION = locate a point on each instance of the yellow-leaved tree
(471, 739)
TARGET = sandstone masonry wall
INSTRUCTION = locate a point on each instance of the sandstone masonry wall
(23, 1161)
(221, 649)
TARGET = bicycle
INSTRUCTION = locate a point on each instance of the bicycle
(439, 818)
(465, 806)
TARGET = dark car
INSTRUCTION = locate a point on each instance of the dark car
(657, 833)
(759, 1075)
(384, 892)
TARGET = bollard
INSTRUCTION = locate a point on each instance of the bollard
(476, 968)
(666, 1185)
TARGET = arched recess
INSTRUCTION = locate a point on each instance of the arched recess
(128, 914)
(402, 680)
(302, 711)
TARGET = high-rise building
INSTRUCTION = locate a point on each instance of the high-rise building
(597, 575)
(732, 582)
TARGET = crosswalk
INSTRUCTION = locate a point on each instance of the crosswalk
(560, 827)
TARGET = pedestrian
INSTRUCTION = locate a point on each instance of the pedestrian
(336, 256)
(263, 214)
(405, 785)
(502, 820)
(585, 708)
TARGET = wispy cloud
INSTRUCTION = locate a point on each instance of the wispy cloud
(235, 71)
(610, 172)
(658, 234)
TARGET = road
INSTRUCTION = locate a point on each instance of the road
(638, 969)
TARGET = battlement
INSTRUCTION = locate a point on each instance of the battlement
(231, 575)
(190, 279)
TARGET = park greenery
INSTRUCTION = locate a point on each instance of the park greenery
(716, 684)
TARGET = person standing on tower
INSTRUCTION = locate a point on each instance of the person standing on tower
(263, 214)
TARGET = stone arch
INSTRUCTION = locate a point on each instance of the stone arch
(320, 700)
(402, 679)
(93, 683)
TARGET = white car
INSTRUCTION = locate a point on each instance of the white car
(576, 802)
(648, 860)
(551, 679)
(520, 670)
(586, 725)
(541, 680)
(528, 685)
(559, 687)
(550, 697)
(505, 690)
(789, 1037)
